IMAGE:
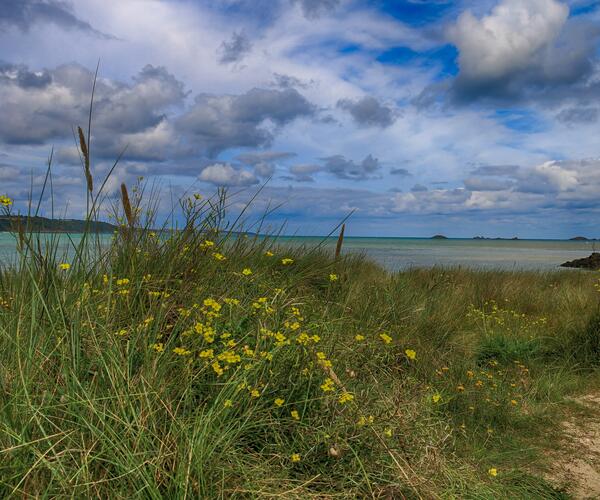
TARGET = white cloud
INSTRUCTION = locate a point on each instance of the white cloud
(507, 39)
(223, 174)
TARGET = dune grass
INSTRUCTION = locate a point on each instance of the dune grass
(203, 364)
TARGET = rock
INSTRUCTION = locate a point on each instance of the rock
(591, 262)
(579, 238)
(439, 237)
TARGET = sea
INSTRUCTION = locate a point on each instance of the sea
(397, 254)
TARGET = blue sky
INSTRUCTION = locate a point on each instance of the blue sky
(458, 117)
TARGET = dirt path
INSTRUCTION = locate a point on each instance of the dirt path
(576, 462)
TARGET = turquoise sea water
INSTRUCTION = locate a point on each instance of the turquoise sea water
(403, 253)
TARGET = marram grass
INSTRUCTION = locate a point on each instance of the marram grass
(196, 364)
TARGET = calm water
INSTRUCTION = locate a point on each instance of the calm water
(403, 253)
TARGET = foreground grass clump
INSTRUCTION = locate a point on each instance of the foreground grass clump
(202, 364)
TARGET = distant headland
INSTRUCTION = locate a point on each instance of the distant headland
(45, 225)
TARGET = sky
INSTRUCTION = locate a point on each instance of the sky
(460, 117)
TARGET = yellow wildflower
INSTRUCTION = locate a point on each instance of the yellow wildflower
(5, 201)
(296, 457)
(212, 303)
(247, 271)
(207, 353)
(122, 282)
(287, 261)
(295, 415)
(217, 368)
(181, 351)
(410, 354)
(388, 432)
(359, 337)
(269, 254)
(385, 337)
(436, 398)
(158, 347)
(493, 472)
(229, 357)
(219, 256)
(279, 402)
(228, 403)
(65, 266)
(254, 393)
(460, 388)
(513, 402)
(328, 385)
(121, 333)
(365, 420)
(333, 277)
(345, 398)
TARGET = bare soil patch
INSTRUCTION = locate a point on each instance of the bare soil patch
(576, 460)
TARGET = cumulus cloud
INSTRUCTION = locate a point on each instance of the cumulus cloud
(555, 185)
(488, 184)
(435, 201)
(8, 172)
(218, 122)
(497, 170)
(523, 49)
(45, 105)
(343, 168)
(313, 9)
(264, 162)
(506, 40)
(23, 14)
(146, 115)
(235, 49)
(223, 174)
(578, 115)
(288, 81)
(402, 172)
(304, 172)
(368, 111)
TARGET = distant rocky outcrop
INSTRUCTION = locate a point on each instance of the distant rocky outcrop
(495, 239)
(592, 262)
(439, 237)
(581, 238)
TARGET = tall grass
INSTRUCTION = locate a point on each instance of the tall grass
(200, 363)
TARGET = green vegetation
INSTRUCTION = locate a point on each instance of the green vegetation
(202, 365)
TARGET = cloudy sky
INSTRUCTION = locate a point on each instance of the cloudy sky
(460, 117)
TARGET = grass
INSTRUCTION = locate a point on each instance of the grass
(200, 364)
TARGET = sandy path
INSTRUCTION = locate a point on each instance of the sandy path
(576, 465)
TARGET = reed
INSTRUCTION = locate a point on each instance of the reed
(86, 160)
(129, 215)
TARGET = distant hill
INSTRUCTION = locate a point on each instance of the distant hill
(45, 225)
(581, 238)
(439, 237)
